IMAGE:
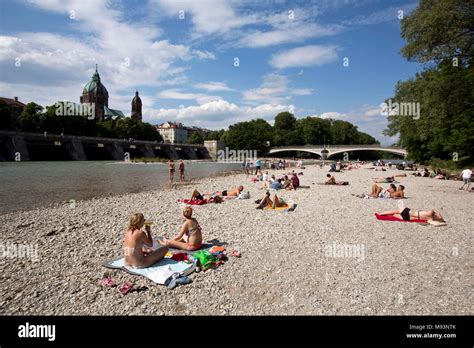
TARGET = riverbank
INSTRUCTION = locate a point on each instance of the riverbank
(286, 267)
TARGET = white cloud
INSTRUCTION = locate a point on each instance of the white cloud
(305, 56)
(274, 90)
(128, 54)
(209, 17)
(215, 114)
(177, 94)
(297, 31)
(213, 86)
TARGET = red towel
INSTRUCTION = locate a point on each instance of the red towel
(393, 218)
(180, 256)
(194, 201)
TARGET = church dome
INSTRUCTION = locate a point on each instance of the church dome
(94, 84)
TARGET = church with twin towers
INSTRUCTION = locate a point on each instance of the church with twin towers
(95, 93)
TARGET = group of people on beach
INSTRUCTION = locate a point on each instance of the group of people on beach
(171, 170)
(138, 243)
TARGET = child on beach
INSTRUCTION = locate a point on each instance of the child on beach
(136, 241)
(190, 234)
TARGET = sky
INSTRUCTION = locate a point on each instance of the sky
(210, 63)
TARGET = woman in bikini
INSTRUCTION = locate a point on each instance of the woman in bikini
(190, 235)
(171, 171)
(406, 214)
(138, 243)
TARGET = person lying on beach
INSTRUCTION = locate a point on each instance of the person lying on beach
(379, 192)
(386, 180)
(406, 214)
(287, 185)
(332, 181)
(196, 196)
(267, 202)
(190, 234)
(137, 244)
(230, 193)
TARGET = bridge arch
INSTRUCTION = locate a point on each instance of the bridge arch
(396, 151)
(316, 152)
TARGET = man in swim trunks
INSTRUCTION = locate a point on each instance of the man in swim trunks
(230, 193)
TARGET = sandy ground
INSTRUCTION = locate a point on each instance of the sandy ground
(286, 265)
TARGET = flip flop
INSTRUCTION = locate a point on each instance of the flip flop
(236, 253)
(109, 281)
(125, 288)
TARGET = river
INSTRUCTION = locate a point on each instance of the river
(27, 185)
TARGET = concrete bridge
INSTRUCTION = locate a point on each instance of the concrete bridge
(325, 152)
(21, 146)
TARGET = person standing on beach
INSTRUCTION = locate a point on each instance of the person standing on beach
(466, 177)
(181, 171)
(171, 171)
(257, 166)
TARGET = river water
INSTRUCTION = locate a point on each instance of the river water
(27, 185)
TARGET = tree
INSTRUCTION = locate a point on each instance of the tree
(7, 120)
(251, 135)
(196, 138)
(284, 130)
(439, 34)
(31, 118)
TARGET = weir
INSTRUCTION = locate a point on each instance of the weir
(22, 146)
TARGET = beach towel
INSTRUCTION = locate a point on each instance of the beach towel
(393, 218)
(194, 201)
(158, 273)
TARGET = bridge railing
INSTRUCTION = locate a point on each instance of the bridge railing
(336, 147)
(88, 138)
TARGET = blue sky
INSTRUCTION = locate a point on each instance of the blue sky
(180, 55)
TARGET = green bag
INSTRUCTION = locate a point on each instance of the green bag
(206, 259)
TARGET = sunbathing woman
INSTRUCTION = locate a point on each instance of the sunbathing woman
(379, 192)
(388, 179)
(136, 242)
(332, 181)
(287, 185)
(407, 214)
(190, 235)
(267, 202)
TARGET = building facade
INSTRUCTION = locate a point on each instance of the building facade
(173, 133)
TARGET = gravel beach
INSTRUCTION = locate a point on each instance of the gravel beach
(286, 266)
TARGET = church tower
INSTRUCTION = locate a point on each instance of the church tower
(95, 93)
(137, 108)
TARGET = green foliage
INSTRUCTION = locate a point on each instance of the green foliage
(439, 30)
(7, 119)
(215, 135)
(196, 138)
(31, 118)
(35, 119)
(436, 33)
(251, 135)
